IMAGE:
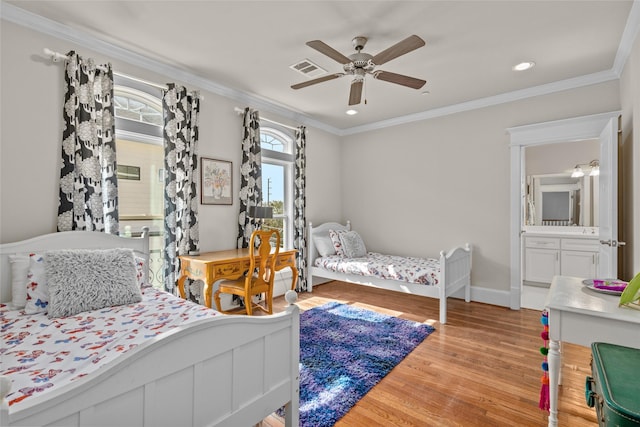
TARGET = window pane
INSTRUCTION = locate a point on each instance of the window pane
(141, 200)
(270, 142)
(273, 195)
(273, 187)
(138, 106)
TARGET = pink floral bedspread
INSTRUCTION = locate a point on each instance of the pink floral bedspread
(40, 354)
(424, 271)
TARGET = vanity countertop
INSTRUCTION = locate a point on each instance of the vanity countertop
(573, 232)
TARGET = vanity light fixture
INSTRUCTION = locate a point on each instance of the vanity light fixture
(578, 172)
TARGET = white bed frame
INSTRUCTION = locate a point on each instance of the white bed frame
(223, 371)
(455, 272)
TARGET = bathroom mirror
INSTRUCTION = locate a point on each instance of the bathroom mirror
(560, 200)
(552, 196)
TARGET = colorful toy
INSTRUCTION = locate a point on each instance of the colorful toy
(544, 350)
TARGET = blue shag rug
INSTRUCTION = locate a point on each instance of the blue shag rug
(344, 352)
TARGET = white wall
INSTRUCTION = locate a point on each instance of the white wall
(32, 98)
(630, 161)
(423, 187)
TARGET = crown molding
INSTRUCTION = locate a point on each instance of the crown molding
(517, 95)
(629, 35)
(43, 25)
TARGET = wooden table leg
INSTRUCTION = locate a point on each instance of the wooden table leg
(180, 282)
(208, 287)
(294, 272)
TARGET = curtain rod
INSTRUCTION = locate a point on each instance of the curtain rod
(241, 111)
(57, 56)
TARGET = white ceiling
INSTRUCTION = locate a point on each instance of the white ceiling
(248, 46)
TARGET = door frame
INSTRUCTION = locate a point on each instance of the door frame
(566, 130)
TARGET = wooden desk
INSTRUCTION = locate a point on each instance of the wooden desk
(581, 316)
(230, 264)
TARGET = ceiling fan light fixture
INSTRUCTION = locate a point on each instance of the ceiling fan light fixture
(523, 66)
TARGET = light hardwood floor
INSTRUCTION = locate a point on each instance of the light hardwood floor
(482, 368)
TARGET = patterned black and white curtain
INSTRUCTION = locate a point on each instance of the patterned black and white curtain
(181, 235)
(250, 175)
(299, 203)
(88, 176)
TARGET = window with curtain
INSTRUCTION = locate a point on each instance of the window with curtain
(277, 179)
(140, 147)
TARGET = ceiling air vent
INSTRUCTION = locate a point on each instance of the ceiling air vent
(308, 68)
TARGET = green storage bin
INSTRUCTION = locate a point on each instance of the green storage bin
(614, 387)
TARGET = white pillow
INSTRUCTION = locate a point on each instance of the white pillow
(83, 280)
(337, 243)
(353, 245)
(37, 287)
(140, 266)
(19, 270)
(324, 245)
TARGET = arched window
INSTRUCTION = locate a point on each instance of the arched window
(140, 157)
(277, 179)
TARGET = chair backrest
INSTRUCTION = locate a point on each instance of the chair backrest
(266, 264)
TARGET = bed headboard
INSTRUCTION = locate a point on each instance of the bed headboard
(319, 230)
(68, 240)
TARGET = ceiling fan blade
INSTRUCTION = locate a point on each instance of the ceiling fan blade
(355, 95)
(318, 80)
(399, 79)
(405, 46)
(325, 49)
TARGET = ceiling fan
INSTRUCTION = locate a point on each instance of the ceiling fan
(360, 63)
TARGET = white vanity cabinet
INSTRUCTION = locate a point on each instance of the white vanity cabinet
(548, 256)
(541, 259)
(579, 257)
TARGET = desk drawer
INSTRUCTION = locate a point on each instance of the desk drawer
(614, 386)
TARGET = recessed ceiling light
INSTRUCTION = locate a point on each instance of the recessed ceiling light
(524, 66)
(352, 112)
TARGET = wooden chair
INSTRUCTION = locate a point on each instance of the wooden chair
(254, 283)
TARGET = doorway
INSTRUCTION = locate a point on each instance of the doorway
(575, 129)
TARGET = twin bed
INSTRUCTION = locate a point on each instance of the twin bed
(156, 361)
(431, 277)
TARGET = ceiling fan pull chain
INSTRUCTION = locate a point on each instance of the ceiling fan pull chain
(365, 92)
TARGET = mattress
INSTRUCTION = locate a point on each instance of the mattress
(424, 271)
(40, 354)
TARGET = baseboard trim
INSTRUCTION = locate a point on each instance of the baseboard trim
(478, 294)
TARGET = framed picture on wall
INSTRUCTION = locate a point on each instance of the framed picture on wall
(216, 182)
